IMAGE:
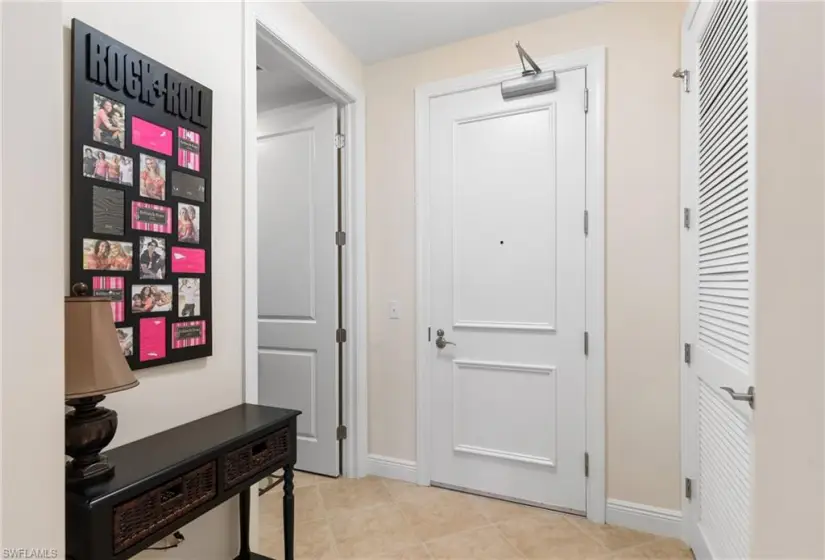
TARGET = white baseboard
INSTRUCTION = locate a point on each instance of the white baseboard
(389, 467)
(650, 519)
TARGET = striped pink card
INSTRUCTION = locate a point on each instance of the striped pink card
(152, 339)
(189, 333)
(111, 287)
(189, 149)
(151, 136)
(151, 217)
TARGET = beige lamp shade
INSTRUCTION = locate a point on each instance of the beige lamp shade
(95, 364)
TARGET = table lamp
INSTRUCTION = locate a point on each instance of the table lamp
(95, 366)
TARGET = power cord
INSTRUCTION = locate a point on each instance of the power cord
(179, 538)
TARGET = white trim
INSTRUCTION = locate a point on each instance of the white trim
(593, 60)
(353, 113)
(649, 519)
(389, 467)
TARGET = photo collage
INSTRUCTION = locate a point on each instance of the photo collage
(142, 232)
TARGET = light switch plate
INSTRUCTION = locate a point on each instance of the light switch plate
(394, 310)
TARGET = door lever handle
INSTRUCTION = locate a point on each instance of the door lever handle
(440, 341)
(749, 397)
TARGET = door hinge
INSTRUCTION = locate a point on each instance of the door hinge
(341, 335)
(586, 100)
(340, 140)
(586, 464)
(340, 238)
(586, 222)
(683, 75)
(586, 343)
(689, 488)
(341, 433)
(687, 218)
(687, 353)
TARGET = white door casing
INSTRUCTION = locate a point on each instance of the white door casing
(718, 191)
(298, 275)
(507, 286)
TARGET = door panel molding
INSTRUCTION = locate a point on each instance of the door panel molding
(506, 455)
(593, 61)
(493, 325)
(540, 371)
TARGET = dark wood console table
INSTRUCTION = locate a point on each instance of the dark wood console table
(163, 482)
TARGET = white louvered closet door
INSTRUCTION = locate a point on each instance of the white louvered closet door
(718, 264)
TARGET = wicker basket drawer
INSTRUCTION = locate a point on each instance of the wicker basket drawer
(255, 458)
(141, 516)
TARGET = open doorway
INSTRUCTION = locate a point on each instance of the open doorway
(316, 79)
(300, 255)
(275, 31)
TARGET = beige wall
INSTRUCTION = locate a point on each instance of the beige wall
(206, 45)
(789, 422)
(642, 202)
(31, 267)
(204, 40)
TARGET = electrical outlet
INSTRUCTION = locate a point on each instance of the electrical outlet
(394, 310)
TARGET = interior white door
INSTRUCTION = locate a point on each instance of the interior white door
(507, 264)
(718, 264)
(298, 275)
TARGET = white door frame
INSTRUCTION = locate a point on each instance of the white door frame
(593, 60)
(353, 200)
(687, 199)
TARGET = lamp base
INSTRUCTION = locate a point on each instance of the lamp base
(89, 428)
(77, 476)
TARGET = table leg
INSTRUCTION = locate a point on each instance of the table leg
(244, 553)
(289, 513)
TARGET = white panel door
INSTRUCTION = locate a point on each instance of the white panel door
(718, 264)
(507, 258)
(298, 276)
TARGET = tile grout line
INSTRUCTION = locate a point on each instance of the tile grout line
(406, 519)
(396, 502)
(593, 539)
(520, 552)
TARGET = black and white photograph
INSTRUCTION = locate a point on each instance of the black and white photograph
(188, 186)
(109, 122)
(189, 297)
(152, 258)
(107, 211)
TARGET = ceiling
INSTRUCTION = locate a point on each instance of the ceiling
(279, 83)
(380, 30)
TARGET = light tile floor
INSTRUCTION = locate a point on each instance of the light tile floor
(380, 518)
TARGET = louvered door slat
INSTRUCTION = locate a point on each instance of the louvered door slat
(723, 167)
(724, 184)
(723, 71)
(733, 151)
(724, 104)
(740, 307)
(723, 313)
(726, 311)
(722, 222)
(726, 230)
(726, 199)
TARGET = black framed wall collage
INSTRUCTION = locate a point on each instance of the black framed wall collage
(141, 161)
